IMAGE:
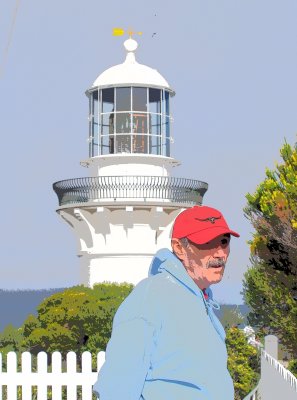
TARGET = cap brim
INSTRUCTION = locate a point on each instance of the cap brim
(209, 234)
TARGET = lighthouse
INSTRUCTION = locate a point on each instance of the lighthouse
(123, 211)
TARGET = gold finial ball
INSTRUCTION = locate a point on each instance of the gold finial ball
(130, 45)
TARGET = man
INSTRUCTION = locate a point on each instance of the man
(167, 343)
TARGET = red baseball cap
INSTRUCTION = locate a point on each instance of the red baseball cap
(200, 224)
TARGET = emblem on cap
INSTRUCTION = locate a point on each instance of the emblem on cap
(210, 219)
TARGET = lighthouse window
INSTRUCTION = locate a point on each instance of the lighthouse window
(95, 110)
(166, 126)
(155, 145)
(139, 99)
(123, 99)
(107, 124)
(155, 124)
(123, 122)
(123, 143)
(166, 105)
(94, 123)
(139, 143)
(140, 123)
(107, 100)
(155, 100)
(167, 133)
(130, 120)
(107, 144)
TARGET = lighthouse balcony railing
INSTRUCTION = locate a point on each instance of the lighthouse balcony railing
(134, 188)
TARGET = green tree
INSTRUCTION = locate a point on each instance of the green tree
(243, 362)
(293, 367)
(270, 285)
(10, 339)
(77, 319)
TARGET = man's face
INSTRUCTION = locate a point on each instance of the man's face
(206, 263)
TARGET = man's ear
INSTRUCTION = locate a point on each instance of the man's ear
(178, 249)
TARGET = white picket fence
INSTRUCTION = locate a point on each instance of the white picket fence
(18, 383)
(56, 378)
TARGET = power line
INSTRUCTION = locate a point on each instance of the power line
(9, 40)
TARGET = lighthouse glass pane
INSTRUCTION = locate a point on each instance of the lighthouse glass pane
(139, 99)
(139, 123)
(166, 150)
(90, 128)
(154, 100)
(95, 110)
(155, 145)
(95, 123)
(107, 124)
(123, 143)
(139, 143)
(107, 145)
(107, 100)
(123, 122)
(95, 147)
(123, 99)
(166, 106)
(155, 124)
(167, 127)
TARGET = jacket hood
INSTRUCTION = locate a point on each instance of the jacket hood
(165, 260)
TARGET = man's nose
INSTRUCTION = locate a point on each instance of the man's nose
(220, 252)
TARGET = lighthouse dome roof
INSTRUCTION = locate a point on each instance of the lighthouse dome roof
(131, 73)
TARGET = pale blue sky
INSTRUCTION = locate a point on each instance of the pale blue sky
(232, 64)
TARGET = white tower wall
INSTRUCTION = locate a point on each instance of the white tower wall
(116, 244)
(130, 164)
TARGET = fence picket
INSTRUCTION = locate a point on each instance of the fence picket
(100, 360)
(11, 374)
(86, 369)
(57, 373)
(42, 376)
(71, 369)
(27, 371)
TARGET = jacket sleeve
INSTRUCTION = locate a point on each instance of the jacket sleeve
(127, 362)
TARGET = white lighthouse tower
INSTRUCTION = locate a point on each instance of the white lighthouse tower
(123, 212)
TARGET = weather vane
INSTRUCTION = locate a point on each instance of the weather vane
(121, 32)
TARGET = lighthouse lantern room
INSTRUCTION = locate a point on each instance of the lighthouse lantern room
(123, 212)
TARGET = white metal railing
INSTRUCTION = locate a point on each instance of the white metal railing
(253, 395)
(284, 372)
(19, 384)
(130, 188)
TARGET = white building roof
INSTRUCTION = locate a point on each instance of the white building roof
(131, 73)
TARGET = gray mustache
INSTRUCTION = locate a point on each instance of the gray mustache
(218, 262)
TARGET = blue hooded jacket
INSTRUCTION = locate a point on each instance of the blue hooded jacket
(166, 343)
